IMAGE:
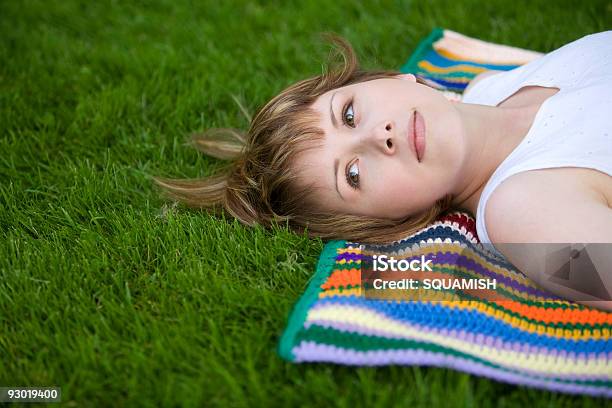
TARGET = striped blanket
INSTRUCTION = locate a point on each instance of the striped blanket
(448, 61)
(522, 335)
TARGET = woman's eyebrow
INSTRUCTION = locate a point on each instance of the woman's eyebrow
(337, 161)
(331, 110)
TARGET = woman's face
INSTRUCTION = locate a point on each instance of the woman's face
(366, 164)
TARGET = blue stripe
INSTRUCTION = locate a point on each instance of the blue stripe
(449, 86)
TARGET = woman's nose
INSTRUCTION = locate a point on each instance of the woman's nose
(385, 137)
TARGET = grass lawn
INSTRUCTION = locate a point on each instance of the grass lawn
(122, 299)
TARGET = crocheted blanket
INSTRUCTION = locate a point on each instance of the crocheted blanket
(448, 61)
(517, 333)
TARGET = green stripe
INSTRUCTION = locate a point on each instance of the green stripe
(298, 315)
(360, 342)
(425, 45)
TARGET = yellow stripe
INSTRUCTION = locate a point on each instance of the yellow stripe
(455, 68)
(336, 292)
(348, 250)
(344, 261)
(537, 362)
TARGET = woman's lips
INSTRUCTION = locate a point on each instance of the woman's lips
(416, 135)
(412, 135)
(419, 135)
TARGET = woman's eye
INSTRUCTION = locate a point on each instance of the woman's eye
(348, 115)
(352, 175)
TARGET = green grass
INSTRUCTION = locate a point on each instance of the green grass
(121, 299)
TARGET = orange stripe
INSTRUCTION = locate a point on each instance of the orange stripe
(589, 316)
(343, 277)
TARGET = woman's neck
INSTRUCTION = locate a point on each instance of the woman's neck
(491, 134)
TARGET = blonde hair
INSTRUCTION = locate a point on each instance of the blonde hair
(260, 185)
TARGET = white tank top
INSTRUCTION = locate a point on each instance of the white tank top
(573, 128)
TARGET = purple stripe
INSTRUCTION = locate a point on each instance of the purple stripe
(313, 352)
(476, 339)
(349, 257)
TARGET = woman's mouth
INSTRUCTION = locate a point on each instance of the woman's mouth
(417, 135)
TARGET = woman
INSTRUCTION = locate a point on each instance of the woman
(373, 156)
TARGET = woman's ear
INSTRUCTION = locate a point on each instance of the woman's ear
(409, 77)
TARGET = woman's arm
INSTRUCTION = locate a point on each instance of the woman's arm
(537, 232)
